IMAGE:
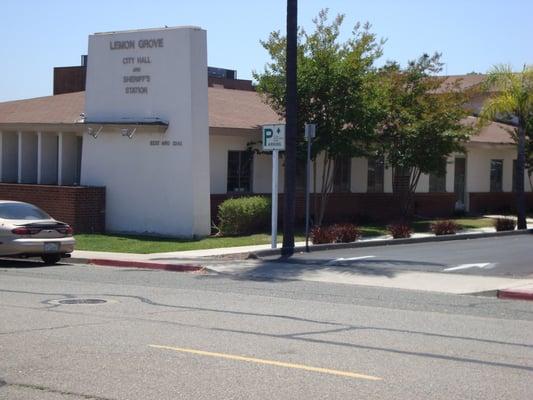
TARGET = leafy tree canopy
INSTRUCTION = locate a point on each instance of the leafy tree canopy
(424, 119)
(336, 84)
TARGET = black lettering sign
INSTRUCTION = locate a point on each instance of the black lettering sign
(150, 43)
(122, 44)
(136, 90)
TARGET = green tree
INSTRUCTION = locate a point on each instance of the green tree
(422, 125)
(336, 83)
(513, 101)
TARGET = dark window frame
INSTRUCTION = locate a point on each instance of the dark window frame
(437, 183)
(514, 175)
(496, 176)
(342, 175)
(300, 175)
(375, 169)
(244, 182)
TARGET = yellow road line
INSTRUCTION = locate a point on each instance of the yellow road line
(269, 362)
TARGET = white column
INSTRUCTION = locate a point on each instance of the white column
(60, 159)
(19, 166)
(388, 180)
(39, 156)
(450, 174)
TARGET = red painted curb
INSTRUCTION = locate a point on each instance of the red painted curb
(516, 294)
(146, 265)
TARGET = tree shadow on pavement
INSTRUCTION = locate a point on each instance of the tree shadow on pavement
(293, 269)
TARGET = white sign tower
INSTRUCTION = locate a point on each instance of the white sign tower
(147, 137)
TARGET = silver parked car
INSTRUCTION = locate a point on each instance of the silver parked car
(27, 231)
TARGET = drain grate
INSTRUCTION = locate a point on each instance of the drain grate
(82, 301)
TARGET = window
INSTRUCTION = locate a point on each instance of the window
(79, 148)
(22, 211)
(514, 176)
(437, 183)
(376, 173)
(459, 181)
(496, 175)
(240, 171)
(301, 174)
(401, 179)
(341, 179)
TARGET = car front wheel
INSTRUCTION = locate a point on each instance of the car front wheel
(51, 259)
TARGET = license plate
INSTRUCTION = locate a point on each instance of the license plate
(51, 247)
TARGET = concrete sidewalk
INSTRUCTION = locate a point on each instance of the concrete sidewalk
(180, 256)
(216, 262)
(174, 256)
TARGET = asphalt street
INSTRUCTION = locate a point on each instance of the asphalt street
(167, 335)
(510, 256)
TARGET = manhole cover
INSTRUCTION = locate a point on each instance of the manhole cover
(82, 301)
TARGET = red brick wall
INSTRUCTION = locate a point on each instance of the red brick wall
(236, 84)
(79, 206)
(69, 79)
(351, 207)
(483, 203)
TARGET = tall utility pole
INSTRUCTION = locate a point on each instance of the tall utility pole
(520, 170)
(289, 206)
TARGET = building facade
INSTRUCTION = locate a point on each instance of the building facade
(144, 138)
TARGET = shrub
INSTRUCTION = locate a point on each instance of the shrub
(345, 233)
(504, 224)
(243, 215)
(400, 230)
(444, 227)
(321, 235)
(337, 233)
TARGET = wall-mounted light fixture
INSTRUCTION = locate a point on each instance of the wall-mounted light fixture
(93, 131)
(128, 132)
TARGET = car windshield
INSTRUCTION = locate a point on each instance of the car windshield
(21, 211)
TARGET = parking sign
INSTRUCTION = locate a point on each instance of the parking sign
(274, 137)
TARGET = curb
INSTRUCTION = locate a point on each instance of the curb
(391, 242)
(516, 294)
(137, 264)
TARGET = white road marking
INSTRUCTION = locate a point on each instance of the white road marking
(349, 259)
(467, 266)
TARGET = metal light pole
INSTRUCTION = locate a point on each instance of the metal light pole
(289, 207)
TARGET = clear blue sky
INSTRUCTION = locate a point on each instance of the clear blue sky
(37, 35)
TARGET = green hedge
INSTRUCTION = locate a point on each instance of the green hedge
(244, 215)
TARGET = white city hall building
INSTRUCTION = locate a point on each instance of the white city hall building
(143, 137)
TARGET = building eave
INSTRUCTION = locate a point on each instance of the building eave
(81, 127)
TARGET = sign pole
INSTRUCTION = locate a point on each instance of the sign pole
(310, 132)
(274, 198)
(274, 140)
(307, 190)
